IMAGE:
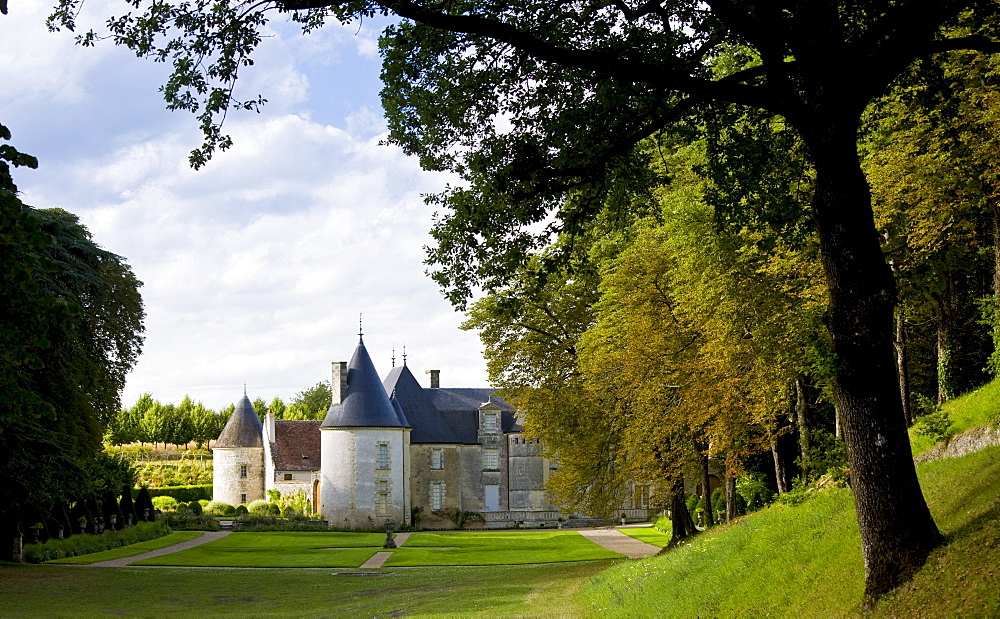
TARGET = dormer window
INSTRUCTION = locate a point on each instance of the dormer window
(490, 423)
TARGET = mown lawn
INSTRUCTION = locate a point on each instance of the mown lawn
(650, 535)
(278, 549)
(550, 590)
(496, 548)
(130, 551)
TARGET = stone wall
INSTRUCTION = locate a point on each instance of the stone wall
(351, 478)
(962, 444)
(228, 483)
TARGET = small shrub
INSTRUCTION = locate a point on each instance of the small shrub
(241, 512)
(220, 509)
(936, 425)
(188, 521)
(289, 513)
(166, 503)
(260, 507)
(796, 495)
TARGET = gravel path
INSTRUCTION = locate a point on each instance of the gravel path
(208, 536)
(616, 541)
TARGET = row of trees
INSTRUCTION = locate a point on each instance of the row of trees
(71, 329)
(151, 421)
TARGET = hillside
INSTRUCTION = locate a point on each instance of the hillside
(805, 560)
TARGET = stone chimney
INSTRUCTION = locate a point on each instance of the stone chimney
(435, 378)
(338, 383)
(269, 425)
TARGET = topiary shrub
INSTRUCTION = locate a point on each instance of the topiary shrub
(289, 512)
(220, 509)
(241, 512)
(260, 507)
(195, 508)
(144, 509)
(273, 509)
(165, 503)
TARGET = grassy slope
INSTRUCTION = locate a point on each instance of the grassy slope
(972, 410)
(806, 560)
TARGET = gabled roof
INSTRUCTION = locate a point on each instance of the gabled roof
(296, 445)
(365, 403)
(427, 423)
(244, 428)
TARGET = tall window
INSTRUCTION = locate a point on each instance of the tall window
(243, 471)
(491, 458)
(437, 459)
(641, 497)
(383, 456)
(437, 495)
(382, 499)
(490, 422)
(243, 499)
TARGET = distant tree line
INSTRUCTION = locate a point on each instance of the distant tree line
(152, 421)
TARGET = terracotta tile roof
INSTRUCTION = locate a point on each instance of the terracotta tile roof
(296, 445)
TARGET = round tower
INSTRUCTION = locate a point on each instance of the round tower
(238, 457)
(364, 450)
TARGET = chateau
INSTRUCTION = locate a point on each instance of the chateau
(390, 449)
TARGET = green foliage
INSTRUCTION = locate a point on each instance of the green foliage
(241, 512)
(165, 503)
(260, 507)
(935, 425)
(220, 509)
(186, 520)
(158, 474)
(827, 455)
(183, 493)
(310, 403)
(86, 544)
(753, 489)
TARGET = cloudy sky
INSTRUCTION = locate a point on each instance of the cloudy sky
(256, 267)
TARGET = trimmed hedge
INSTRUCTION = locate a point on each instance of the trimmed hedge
(183, 494)
(86, 544)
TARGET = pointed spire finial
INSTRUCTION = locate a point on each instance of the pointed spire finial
(404, 354)
(361, 331)
(394, 354)
(244, 389)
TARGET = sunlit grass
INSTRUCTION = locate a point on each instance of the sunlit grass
(278, 549)
(133, 550)
(648, 534)
(549, 590)
(497, 548)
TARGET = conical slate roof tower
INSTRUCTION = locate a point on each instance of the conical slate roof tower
(364, 402)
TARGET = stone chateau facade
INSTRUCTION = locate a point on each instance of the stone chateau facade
(388, 449)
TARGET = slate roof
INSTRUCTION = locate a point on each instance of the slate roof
(296, 445)
(365, 403)
(244, 428)
(427, 423)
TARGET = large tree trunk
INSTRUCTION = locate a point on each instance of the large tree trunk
(897, 531)
(681, 525)
(902, 364)
(706, 487)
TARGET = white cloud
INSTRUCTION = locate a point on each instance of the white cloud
(257, 266)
